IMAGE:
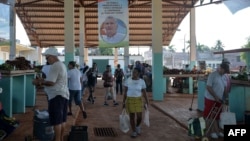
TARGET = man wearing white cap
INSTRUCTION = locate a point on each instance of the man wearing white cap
(56, 87)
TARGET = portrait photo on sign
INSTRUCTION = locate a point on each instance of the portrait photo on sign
(113, 30)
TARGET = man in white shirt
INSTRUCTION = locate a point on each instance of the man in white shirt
(56, 87)
(75, 86)
(110, 31)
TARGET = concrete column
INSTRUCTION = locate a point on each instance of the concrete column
(192, 47)
(157, 67)
(126, 57)
(82, 35)
(86, 55)
(39, 52)
(115, 57)
(192, 36)
(69, 36)
(12, 21)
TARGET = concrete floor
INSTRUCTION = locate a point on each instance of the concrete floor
(168, 118)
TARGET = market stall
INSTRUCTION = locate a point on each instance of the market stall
(185, 78)
(18, 91)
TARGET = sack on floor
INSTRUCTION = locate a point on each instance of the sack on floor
(196, 127)
(124, 121)
(146, 117)
(227, 117)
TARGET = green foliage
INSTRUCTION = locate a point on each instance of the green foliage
(171, 48)
(7, 67)
(106, 51)
(243, 55)
(218, 46)
(202, 48)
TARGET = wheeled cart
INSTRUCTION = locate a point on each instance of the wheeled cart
(200, 127)
(212, 115)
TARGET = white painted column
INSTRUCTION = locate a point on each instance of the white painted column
(12, 22)
(82, 35)
(69, 28)
(157, 65)
(192, 47)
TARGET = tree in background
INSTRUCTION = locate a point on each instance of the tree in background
(202, 48)
(218, 46)
(106, 51)
(171, 48)
(243, 55)
(199, 47)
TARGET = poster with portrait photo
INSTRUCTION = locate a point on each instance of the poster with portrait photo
(113, 23)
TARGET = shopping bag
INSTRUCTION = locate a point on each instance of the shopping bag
(227, 117)
(124, 121)
(196, 127)
(146, 117)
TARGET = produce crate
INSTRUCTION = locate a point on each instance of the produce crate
(78, 133)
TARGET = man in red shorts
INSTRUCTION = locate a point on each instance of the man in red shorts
(214, 93)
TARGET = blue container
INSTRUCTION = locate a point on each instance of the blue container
(42, 129)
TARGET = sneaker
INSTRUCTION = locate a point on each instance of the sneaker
(220, 134)
(214, 136)
(84, 114)
(115, 104)
(88, 100)
(134, 134)
(93, 101)
(138, 130)
(106, 104)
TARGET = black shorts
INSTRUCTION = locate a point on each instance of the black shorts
(58, 110)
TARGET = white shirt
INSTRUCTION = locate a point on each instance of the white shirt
(134, 87)
(45, 69)
(118, 37)
(58, 75)
(218, 84)
(74, 76)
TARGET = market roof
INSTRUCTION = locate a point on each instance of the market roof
(43, 21)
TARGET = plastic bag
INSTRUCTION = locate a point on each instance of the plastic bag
(124, 121)
(146, 117)
(227, 117)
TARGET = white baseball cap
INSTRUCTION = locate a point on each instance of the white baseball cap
(51, 51)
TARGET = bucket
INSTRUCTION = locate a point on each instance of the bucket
(42, 129)
(247, 117)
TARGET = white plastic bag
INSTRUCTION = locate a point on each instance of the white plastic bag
(146, 117)
(227, 117)
(124, 121)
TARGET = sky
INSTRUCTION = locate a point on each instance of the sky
(213, 22)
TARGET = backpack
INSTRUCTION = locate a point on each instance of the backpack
(119, 74)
